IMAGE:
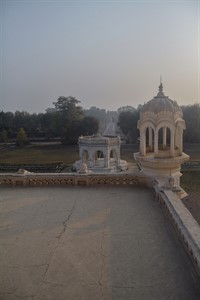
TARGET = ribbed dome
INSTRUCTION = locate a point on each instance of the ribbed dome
(161, 103)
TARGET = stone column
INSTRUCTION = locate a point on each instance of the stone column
(118, 156)
(164, 137)
(180, 142)
(81, 153)
(91, 158)
(156, 144)
(106, 159)
(179, 139)
(176, 138)
(143, 143)
(118, 151)
(172, 144)
(150, 138)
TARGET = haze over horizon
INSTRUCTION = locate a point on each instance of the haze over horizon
(107, 54)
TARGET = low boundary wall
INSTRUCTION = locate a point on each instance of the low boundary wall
(70, 179)
(185, 225)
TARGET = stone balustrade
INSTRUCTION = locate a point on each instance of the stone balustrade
(185, 225)
(61, 179)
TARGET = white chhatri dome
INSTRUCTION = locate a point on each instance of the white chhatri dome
(161, 128)
(161, 103)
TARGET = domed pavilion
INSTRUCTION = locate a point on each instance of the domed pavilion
(100, 153)
(161, 128)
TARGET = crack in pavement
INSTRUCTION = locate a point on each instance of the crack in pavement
(60, 236)
(23, 266)
(103, 264)
(122, 287)
(64, 223)
(16, 295)
(102, 254)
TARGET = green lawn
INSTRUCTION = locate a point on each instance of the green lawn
(40, 154)
(191, 180)
(127, 152)
(193, 150)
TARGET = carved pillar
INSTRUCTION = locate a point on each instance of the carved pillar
(176, 138)
(172, 144)
(91, 159)
(164, 137)
(180, 142)
(118, 156)
(143, 143)
(106, 158)
(156, 144)
(81, 153)
(179, 139)
(150, 138)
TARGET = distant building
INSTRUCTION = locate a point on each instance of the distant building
(110, 130)
(126, 108)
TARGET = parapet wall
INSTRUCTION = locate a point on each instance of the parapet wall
(184, 224)
(70, 179)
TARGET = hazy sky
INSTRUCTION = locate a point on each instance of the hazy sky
(105, 53)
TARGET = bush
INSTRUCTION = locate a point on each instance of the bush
(22, 138)
(3, 136)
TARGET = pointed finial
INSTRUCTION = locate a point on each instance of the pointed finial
(161, 85)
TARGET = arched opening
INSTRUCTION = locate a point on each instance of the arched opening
(149, 139)
(112, 154)
(99, 154)
(99, 158)
(164, 134)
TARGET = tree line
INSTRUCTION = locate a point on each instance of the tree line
(67, 120)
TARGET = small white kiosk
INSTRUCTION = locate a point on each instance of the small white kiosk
(100, 153)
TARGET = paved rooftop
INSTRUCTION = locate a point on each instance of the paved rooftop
(90, 243)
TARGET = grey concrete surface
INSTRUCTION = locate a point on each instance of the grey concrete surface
(90, 243)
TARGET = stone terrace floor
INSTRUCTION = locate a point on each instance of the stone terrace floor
(90, 243)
